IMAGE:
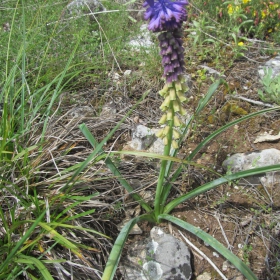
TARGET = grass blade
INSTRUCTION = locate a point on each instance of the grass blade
(205, 100)
(31, 260)
(21, 242)
(225, 127)
(109, 163)
(116, 251)
(61, 240)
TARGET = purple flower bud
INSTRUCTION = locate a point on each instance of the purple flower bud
(163, 43)
(174, 56)
(166, 60)
(165, 14)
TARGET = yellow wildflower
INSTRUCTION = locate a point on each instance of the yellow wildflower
(240, 44)
(263, 14)
(230, 9)
(246, 1)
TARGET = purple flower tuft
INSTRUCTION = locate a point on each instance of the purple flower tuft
(172, 53)
(165, 15)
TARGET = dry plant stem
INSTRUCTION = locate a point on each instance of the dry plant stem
(204, 256)
(268, 194)
(252, 101)
(90, 14)
(217, 216)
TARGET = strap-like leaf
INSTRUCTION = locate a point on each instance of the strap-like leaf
(116, 251)
(211, 185)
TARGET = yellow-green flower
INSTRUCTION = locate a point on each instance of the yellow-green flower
(246, 1)
(273, 6)
(240, 44)
(233, 9)
(230, 10)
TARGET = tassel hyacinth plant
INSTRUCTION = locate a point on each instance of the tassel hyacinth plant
(166, 17)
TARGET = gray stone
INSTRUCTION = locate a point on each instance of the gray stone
(189, 83)
(127, 73)
(143, 40)
(157, 147)
(142, 137)
(204, 276)
(212, 71)
(109, 110)
(160, 257)
(81, 112)
(78, 7)
(274, 64)
(245, 161)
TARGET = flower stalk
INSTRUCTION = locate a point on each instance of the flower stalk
(166, 18)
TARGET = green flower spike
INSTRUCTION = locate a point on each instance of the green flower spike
(163, 119)
(177, 122)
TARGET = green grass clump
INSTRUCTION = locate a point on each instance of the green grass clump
(45, 52)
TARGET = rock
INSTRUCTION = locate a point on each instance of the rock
(239, 277)
(225, 266)
(143, 40)
(157, 147)
(142, 137)
(127, 72)
(81, 112)
(270, 180)
(135, 229)
(212, 71)
(204, 276)
(161, 256)
(246, 161)
(109, 110)
(78, 7)
(188, 80)
(274, 64)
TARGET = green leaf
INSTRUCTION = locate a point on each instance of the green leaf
(33, 261)
(116, 251)
(204, 101)
(225, 127)
(22, 153)
(61, 240)
(109, 163)
(98, 148)
(21, 242)
(207, 238)
(79, 228)
(213, 184)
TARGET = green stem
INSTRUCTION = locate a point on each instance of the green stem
(160, 193)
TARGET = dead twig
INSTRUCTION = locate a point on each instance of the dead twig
(252, 101)
(204, 256)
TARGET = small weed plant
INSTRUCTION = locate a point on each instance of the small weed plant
(271, 87)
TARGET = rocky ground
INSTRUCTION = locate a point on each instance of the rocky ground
(244, 217)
